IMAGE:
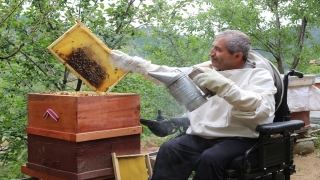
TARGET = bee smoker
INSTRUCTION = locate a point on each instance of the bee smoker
(181, 88)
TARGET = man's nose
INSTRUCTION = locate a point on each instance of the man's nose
(212, 52)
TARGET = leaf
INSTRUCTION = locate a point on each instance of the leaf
(102, 5)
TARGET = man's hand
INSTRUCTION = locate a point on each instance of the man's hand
(213, 81)
(128, 63)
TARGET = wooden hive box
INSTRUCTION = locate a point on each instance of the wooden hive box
(84, 118)
(78, 142)
(78, 160)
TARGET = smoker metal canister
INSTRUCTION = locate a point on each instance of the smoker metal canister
(207, 93)
(185, 92)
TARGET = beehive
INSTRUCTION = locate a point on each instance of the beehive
(84, 116)
(78, 160)
(87, 57)
(77, 143)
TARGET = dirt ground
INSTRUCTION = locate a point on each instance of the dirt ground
(307, 166)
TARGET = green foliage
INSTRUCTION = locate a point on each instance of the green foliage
(27, 28)
(158, 31)
(13, 115)
(316, 135)
(276, 27)
(313, 70)
(12, 170)
(171, 42)
(316, 141)
(153, 97)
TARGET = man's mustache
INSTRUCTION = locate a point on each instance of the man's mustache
(214, 58)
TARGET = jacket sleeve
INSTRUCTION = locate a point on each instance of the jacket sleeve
(257, 97)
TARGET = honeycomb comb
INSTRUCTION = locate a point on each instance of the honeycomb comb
(87, 57)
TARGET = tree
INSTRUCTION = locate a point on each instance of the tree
(160, 32)
(278, 27)
(27, 28)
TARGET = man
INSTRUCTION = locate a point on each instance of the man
(224, 127)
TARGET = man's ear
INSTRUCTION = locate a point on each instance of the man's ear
(238, 56)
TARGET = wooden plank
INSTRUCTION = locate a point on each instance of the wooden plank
(307, 80)
(63, 106)
(78, 159)
(79, 114)
(108, 133)
(130, 155)
(87, 136)
(108, 112)
(131, 167)
(317, 85)
(52, 133)
(148, 163)
(304, 116)
(116, 168)
(38, 174)
(41, 175)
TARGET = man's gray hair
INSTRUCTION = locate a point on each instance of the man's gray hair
(237, 41)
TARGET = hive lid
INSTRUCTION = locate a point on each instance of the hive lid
(87, 57)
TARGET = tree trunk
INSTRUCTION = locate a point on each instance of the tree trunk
(300, 43)
(273, 5)
(280, 65)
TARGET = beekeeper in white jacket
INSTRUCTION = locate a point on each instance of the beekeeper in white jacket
(224, 127)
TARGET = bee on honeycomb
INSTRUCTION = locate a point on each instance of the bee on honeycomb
(86, 67)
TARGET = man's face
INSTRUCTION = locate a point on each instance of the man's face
(220, 57)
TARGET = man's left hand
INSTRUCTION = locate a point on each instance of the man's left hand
(212, 80)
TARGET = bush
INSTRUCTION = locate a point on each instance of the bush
(12, 169)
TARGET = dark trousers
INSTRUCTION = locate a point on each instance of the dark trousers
(178, 157)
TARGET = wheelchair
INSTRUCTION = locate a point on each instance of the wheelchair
(271, 158)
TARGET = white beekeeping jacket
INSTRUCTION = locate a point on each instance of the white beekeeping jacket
(248, 103)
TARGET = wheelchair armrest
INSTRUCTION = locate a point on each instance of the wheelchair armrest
(278, 127)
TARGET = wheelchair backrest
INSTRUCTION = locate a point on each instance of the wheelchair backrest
(278, 82)
(282, 109)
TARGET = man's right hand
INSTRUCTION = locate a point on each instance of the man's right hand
(128, 63)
